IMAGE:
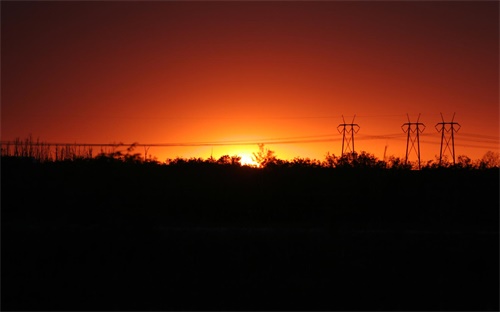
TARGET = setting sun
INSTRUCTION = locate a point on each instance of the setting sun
(247, 160)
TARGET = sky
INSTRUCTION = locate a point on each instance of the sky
(218, 77)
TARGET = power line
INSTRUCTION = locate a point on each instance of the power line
(280, 140)
(190, 144)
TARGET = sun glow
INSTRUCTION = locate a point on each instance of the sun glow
(247, 160)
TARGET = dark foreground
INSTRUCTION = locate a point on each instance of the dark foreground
(117, 237)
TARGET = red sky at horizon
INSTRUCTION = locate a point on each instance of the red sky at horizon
(183, 72)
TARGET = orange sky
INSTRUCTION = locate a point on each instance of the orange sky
(183, 72)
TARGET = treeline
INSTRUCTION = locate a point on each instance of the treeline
(264, 158)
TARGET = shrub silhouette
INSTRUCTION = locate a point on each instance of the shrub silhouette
(229, 160)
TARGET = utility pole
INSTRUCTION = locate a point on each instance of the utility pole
(350, 130)
(449, 128)
(413, 129)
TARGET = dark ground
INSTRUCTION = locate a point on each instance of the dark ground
(114, 236)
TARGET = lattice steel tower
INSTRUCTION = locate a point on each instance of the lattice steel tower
(448, 128)
(348, 131)
(413, 129)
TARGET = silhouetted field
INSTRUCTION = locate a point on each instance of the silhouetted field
(109, 235)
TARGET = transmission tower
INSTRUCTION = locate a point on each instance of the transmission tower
(449, 128)
(348, 131)
(413, 129)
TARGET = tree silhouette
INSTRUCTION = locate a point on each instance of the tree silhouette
(229, 160)
(490, 160)
(264, 157)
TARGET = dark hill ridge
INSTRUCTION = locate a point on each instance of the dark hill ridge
(97, 235)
